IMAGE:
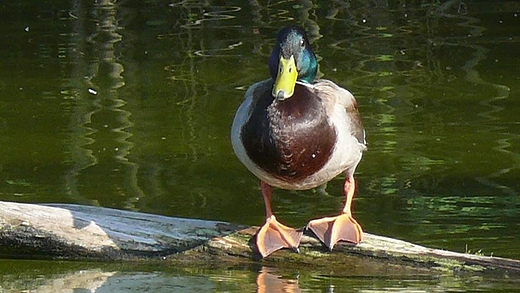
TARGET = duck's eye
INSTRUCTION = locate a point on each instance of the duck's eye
(302, 42)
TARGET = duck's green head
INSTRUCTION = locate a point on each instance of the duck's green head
(292, 59)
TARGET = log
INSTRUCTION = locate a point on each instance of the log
(76, 232)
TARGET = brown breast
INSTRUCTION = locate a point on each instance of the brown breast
(290, 139)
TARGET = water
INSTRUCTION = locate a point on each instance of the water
(129, 105)
(44, 276)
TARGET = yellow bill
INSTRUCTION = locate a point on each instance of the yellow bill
(285, 79)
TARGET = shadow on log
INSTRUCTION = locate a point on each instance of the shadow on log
(93, 233)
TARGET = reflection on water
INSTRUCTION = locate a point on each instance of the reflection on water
(129, 105)
(88, 277)
(99, 136)
(269, 281)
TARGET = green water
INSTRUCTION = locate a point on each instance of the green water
(129, 105)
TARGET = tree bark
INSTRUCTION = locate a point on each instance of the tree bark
(69, 231)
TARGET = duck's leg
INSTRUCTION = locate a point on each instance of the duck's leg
(273, 236)
(330, 230)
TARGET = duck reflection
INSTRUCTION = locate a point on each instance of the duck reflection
(269, 281)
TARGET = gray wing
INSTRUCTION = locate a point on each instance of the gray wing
(333, 95)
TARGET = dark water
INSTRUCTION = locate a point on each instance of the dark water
(129, 105)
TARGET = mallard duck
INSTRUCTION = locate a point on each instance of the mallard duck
(296, 132)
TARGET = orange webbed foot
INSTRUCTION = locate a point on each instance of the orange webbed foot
(331, 230)
(273, 236)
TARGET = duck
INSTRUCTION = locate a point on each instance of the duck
(294, 131)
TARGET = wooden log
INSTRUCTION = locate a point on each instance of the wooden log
(69, 231)
(85, 232)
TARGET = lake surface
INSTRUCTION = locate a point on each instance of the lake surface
(129, 105)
